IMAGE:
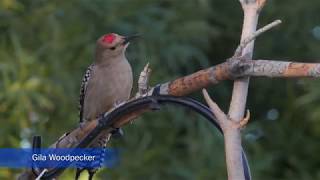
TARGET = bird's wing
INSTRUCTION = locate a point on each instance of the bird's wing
(83, 89)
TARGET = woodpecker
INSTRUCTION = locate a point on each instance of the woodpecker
(106, 83)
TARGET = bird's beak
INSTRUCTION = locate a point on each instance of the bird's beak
(127, 39)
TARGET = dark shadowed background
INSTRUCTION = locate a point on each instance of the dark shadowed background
(46, 45)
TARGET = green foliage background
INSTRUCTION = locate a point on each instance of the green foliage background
(45, 47)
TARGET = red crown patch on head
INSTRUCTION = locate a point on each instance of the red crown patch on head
(109, 38)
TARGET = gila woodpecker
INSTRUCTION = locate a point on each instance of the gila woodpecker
(107, 82)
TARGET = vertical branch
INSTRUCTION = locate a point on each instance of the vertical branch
(251, 10)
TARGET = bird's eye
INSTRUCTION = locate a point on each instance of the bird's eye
(113, 48)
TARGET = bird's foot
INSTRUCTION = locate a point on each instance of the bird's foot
(78, 172)
(118, 103)
(91, 173)
(117, 133)
(81, 125)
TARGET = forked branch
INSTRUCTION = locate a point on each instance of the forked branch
(252, 37)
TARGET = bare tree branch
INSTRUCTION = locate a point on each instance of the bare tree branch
(235, 69)
(245, 120)
(251, 9)
(221, 117)
(252, 37)
(230, 129)
(143, 81)
(281, 69)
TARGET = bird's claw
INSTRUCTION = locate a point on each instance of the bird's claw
(118, 103)
(117, 133)
(81, 125)
(90, 172)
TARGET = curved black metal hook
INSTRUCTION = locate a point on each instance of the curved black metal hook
(106, 122)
